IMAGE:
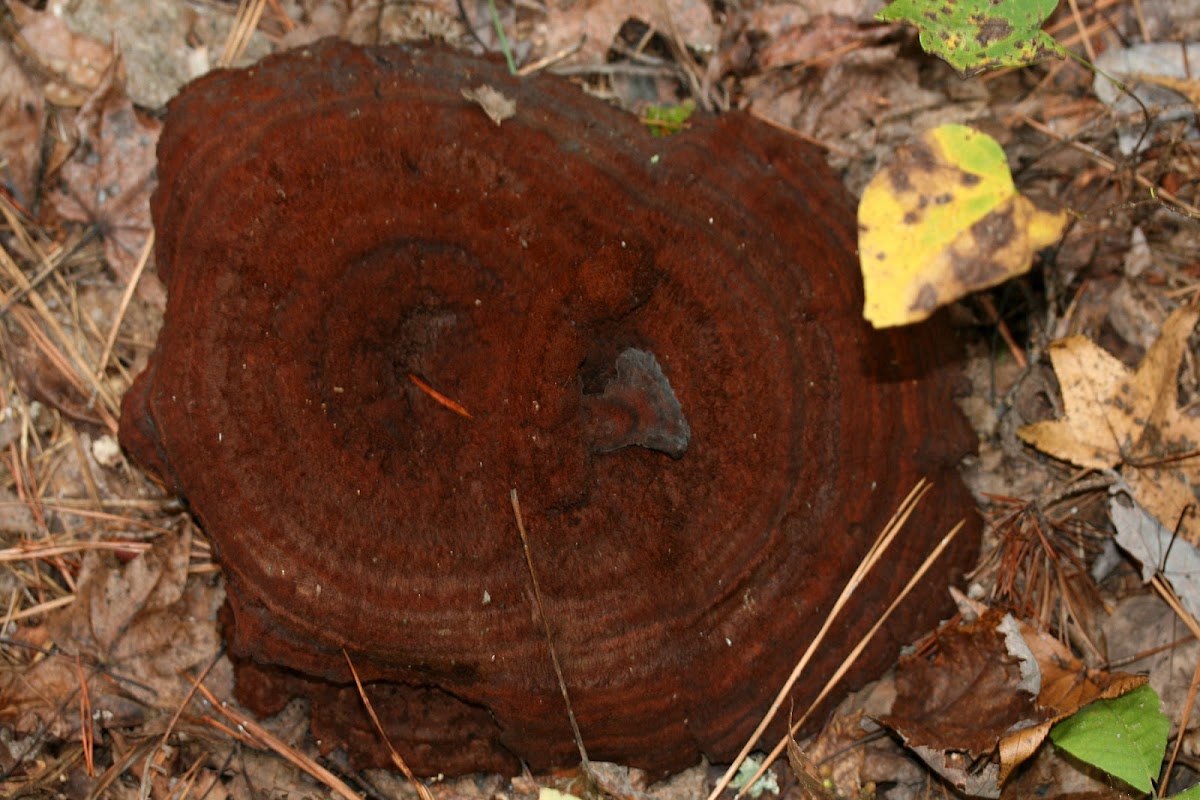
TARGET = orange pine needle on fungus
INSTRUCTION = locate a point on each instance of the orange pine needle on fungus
(441, 399)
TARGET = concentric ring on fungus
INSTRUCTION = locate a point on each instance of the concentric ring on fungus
(657, 342)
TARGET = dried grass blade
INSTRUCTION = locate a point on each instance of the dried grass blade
(885, 538)
(126, 297)
(853, 655)
(400, 763)
(273, 742)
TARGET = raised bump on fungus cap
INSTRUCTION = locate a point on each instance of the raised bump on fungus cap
(704, 433)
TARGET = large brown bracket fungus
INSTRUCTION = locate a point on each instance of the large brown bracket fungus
(659, 344)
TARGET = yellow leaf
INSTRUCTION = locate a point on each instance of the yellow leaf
(944, 219)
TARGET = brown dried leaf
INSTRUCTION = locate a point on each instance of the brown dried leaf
(812, 787)
(1065, 686)
(135, 628)
(819, 39)
(22, 115)
(964, 697)
(110, 176)
(1114, 416)
(953, 708)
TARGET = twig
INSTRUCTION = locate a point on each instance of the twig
(401, 764)
(1188, 706)
(1156, 192)
(537, 596)
(87, 734)
(438, 397)
(247, 727)
(126, 297)
(885, 538)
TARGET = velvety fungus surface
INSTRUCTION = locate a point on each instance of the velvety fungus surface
(657, 342)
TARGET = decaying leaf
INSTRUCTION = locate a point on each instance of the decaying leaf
(584, 31)
(73, 65)
(1155, 547)
(134, 630)
(110, 176)
(1065, 686)
(812, 785)
(38, 372)
(944, 219)
(494, 103)
(952, 709)
(1117, 417)
(22, 115)
(996, 685)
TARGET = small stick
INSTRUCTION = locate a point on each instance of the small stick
(87, 733)
(885, 538)
(422, 789)
(537, 596)
(126, 297)
(441, 399)
(248, 730)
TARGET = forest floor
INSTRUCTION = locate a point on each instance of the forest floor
(102, 573)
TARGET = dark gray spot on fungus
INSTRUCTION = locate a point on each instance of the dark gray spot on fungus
(637, 407)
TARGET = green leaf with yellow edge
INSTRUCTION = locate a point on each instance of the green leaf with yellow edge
(944, 219)
(976, 35)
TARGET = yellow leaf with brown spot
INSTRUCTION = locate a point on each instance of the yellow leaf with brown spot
(1115, 417)
(942, 220)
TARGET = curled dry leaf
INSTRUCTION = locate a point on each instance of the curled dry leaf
(995, 684)
(953, 708)
(1066, 685)
(812, 785)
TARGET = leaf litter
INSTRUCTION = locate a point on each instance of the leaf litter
(136, 629)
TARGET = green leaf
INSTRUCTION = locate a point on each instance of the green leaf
(1188, 794)
(976, 35)
(666, 120)
(1126, 736)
